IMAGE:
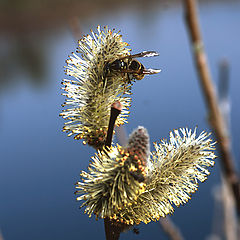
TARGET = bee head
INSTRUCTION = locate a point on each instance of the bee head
(138, 68)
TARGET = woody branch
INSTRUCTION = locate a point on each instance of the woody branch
(216, 119)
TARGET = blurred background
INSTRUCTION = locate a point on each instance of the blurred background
(39, 164)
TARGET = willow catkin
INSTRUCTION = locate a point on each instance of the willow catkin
(176, 167)
(116, 176)
(167, 178)
(91, 93)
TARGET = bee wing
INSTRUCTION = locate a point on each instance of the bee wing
(145, 54)
(151, 71)
(144, 71)
(141, 54)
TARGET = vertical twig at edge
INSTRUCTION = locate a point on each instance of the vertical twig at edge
(216, 119)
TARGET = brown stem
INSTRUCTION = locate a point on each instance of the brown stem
(115, 111)
(216, 118)
(112, 229)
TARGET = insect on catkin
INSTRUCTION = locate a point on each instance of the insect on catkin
(91, 93)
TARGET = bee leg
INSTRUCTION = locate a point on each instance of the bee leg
(105, 72)
(129, 79)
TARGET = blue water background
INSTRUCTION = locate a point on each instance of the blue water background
(39, 164)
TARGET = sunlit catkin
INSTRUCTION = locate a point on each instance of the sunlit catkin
(91, 93)
(117, 187)
(116, 176)
(175, 169)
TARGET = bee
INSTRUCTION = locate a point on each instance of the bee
(130, 66)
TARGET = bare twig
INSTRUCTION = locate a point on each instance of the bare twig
(217, 121)
(170, 229)
(217, 219)
(111, 230)
(115, 111)
(230, 221)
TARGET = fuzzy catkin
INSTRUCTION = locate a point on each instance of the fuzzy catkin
(176, 168)
(116, 176)
(91, 94)
(169, 176)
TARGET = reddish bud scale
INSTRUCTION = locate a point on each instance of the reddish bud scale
(138, 145)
